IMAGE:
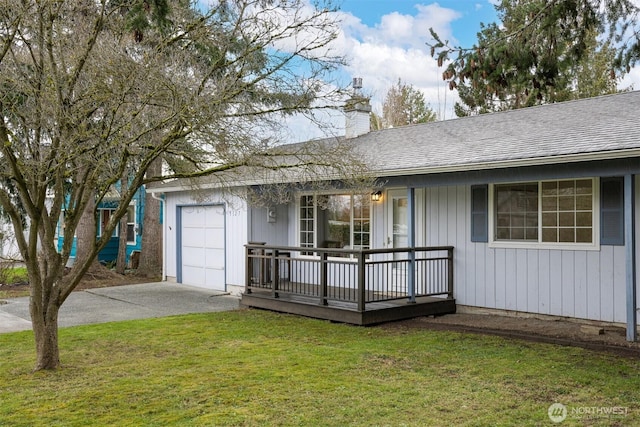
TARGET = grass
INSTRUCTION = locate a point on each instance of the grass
(10, 275)
(254, 368)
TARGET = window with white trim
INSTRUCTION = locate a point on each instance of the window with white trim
(546, 212)
(131, 225)
(335, 221)
(104, 215)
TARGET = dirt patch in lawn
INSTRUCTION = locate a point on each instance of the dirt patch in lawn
(591, 335)
(90, 281)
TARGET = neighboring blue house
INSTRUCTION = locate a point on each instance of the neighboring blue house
(135, 217)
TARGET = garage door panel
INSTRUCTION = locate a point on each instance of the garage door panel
(214, 237)
(193, 238)
(203, 246)
(214, 258)
(216, 218)
(196, 215)
(215, 276)
(196, 275)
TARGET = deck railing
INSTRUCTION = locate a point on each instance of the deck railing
(349, 275)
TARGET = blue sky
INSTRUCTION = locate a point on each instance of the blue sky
(465, 27)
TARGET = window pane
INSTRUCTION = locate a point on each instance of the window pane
(339, 221)
(566, 188)
(549, 234)
(517, 233)
(584, 186)
(566, 219)
(584, 203)
(516, 211)
(566, 235)
(566, 203)
(531, 234)
(572, 207)
(361, 221)
(131, 233)
(584, 219)
(549, 203)
(334, 221)
(584, 235)
(307, 209)
(549, 188)
(549, 219)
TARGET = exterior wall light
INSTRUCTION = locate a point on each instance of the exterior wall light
(375, 197)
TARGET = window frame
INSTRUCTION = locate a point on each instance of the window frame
(539, 244)
(134, 224)
(314, 210)
(101, 222)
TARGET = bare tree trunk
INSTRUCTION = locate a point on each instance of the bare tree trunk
(45, 329)
(151, 254)
(86, 239)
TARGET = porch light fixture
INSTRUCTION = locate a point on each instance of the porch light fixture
(375, 197)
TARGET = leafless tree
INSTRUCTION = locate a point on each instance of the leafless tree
(82, 99)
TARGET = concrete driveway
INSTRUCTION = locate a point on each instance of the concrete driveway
(121, 303)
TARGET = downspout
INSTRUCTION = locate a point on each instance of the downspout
(630, 249)
(411, 273)
(164, 234)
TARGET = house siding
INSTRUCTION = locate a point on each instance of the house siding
(273, 233)
(236, 231)
(581, 284)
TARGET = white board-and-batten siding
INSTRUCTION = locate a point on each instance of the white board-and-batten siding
(584, 284)
(236, 231)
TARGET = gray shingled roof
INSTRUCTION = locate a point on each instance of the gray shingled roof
(602, 127)
(605, 127)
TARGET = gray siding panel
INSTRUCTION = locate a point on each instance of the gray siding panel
(500, 278)
(582, 284)
(593, 292)
(580, 290)
(533, 302)
(544, 282)
(555, 282)
(273, 233)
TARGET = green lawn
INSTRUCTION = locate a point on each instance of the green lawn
(258, 368)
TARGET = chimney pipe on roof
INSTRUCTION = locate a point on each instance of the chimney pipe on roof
(357, 111)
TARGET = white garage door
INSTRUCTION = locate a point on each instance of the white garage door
(203, 255)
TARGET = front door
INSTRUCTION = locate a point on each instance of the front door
(398, 225)
(398, 237)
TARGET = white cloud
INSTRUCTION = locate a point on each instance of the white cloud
(396, 48)
(631, 80)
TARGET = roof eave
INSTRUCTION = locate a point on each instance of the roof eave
(511, 163)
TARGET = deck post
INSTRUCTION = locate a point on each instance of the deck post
(361, 282)
(323, 278)
(275, 272)
(249, 270)
(411, 274)
(450, 272)
(630, 248)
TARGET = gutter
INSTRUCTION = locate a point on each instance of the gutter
(429, 170)
(503, 164)
(164, 234)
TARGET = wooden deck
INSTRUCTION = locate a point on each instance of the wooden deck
(369, 287)
(347, 312)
